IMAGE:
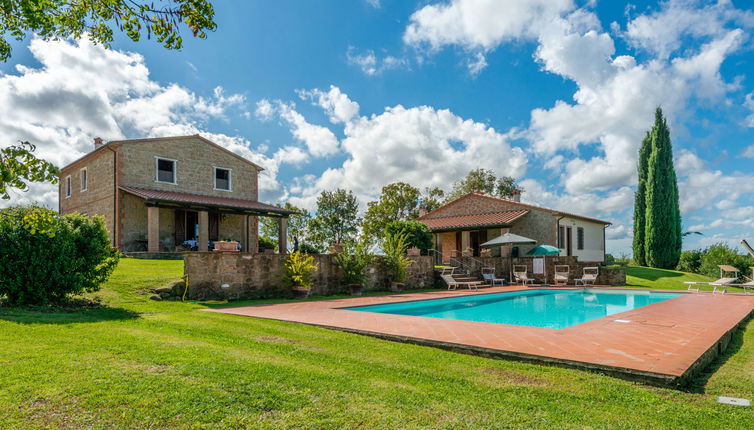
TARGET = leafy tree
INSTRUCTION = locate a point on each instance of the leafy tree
(71, 255)
(398, 201)
(663, 220)
(640, 203)
(336, 220)
(484, 181)
(60, 19)
(690, 261)
(721, 253)
(267, 243)
(297, 226)
(19, 166)
(417, 234)
(432, 198)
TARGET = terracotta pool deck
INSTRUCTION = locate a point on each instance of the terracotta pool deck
(663, 343)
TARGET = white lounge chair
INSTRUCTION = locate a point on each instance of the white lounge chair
(728, 275)
(453, 284)
(748, 285)
(492, 279)
(521, 276)
(562, 273)
(589, 277)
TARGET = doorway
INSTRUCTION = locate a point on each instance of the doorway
(569, 241)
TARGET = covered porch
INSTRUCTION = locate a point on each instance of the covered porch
(166, 221)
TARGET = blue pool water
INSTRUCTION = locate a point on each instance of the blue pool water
(535, 308)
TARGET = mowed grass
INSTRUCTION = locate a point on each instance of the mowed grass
(136, 363)
(648, 277)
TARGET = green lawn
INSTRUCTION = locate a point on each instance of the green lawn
(135, 363)
(647, 277)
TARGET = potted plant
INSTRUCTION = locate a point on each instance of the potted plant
(397, 262)
(353, 261)
(299, 270)
(226, 245)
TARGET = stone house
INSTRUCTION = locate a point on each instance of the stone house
(158, 194)
(461, 226)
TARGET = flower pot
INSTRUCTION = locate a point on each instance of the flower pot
(226, 246)
(413, 252)
(397, 287)
(300, 291)
(355, 289)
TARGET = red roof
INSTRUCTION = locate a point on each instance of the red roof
(202, 200)
(479, 220)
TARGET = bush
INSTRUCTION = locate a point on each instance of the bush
(45, 257)
(299, 270)
(609, 260)
(721, 253)
(307, 248)
(417, 234)
(354, 261)
(690, 261)
(395, 257)
(267, 243)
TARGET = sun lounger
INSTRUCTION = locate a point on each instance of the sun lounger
(748, 285)
(589, 277)
(520, 275)
(492, 279)
(728, 276)
(562, 273)
(453, 284)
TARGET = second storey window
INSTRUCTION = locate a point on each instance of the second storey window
(580, 238)
(165, 170)
(222, 179)
(84, 179)
(68, 186)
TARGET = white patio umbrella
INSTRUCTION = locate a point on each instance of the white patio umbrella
(509, 239)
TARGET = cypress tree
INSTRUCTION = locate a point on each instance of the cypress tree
(662, 231)
(640, 203)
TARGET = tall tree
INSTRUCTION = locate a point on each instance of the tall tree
(19, 166)
(432, 198)
(97, 19)
(297, 226)
(398, 201)
(663, 220)
(484, 181)
(336, 219)
(640, 202)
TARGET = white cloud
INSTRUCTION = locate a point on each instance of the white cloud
(81, 90)
(749, 104)
(319, 141)
(748, 152)
(336, 104)
(265, 111)
(374, 3)
(371, 65)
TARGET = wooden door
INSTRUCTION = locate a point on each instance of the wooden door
(474, 239)
(180, 226)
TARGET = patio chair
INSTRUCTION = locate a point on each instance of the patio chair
(562, 273)
(589, 277)
(521, 276)
(453, 284)
(492, 279)
(728, 275)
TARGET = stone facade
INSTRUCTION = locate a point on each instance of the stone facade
(249, 275)
(132, 163)
(613, 276)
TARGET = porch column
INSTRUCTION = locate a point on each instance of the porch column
(153, 229)
(203, 230)
(283, 235)
(465, 241)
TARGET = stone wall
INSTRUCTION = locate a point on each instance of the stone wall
(251, 275)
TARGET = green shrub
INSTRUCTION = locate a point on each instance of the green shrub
(397, 262)
(267, 243)
(45, 257)
(354, 261)
(690, 261)
(609, 260)
(299, 270)
(307, 248)
(721, 253)
(417, 234)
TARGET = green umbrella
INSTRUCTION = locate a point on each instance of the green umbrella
(544, 250)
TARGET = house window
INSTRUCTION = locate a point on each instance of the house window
(222, 179)
(165, 170)
(561, 237)
(579, 238)
(84, 179)
(68, 187)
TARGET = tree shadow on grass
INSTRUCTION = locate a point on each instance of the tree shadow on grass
(651, 274)
(71, 311)
(698, 384)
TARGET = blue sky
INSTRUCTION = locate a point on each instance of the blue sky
(358, 94)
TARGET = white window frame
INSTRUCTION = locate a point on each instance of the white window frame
(68, 186)
(157, 170)
(214, 178)
(84, 179)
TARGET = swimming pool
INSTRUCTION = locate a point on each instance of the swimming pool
(547, 308)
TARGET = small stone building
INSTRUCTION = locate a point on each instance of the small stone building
(158, 194)
(461, 226)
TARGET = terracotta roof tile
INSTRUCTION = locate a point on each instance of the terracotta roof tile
(202, 200)
(479, 220)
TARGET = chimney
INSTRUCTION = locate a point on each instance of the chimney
(422, 210)
(516, 197)
(97, 142)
